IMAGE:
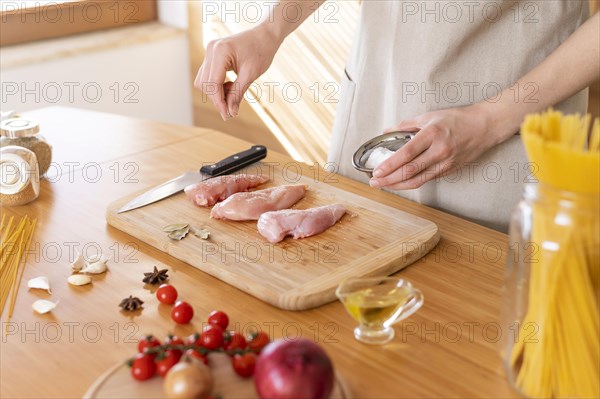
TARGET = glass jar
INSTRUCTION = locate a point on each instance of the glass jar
(24, 132)
(19, 176)
(551, 347)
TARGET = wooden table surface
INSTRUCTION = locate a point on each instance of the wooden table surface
(450, 348)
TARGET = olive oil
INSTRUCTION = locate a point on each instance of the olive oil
(375, 309)
(377, 303)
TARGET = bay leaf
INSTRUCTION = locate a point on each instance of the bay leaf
(174, 227)
(201, 233)
(179, 234)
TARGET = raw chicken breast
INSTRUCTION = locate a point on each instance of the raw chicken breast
(249, 206)
(209, 192)
(274, 226)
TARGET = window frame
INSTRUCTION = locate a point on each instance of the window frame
(59, 19)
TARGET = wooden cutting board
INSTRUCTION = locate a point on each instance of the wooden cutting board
(373, 239)
(118, 383)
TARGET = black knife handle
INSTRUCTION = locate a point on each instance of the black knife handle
(236, 161)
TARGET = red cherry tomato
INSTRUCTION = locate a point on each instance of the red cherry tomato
(244, 364)
(143, 367)
(173, 340)
(257, 341)
(193, 353)
(233, 340)
(193, 339)
(218, 318)
(147, 342)
(170, 359)
(166, 294)
(212, 337)
(182, 312)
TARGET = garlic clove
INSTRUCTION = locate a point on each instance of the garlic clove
(41, 283)
(43, 306)
(94, 268)
(96, 264)
(79, 279)
(97, 258)
(79, 263)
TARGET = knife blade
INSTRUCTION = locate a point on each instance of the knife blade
(225, 166)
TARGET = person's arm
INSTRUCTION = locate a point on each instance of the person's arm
(452, 137)
(287, 15)
(249, 54)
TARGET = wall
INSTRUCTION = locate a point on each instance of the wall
(147, 78)
(173, 13)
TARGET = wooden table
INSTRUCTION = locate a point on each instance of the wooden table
(450, 348)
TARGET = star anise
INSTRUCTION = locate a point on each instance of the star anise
(156, 276)
(130, 304)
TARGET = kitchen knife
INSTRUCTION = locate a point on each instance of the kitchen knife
(173, 186)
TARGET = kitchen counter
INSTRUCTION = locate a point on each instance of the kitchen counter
(449, 348)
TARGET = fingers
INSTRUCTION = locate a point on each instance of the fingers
(434, 162)
(408, 125)
(407, 171)
(247, 55)
(235, 92)
(202, 77)
(216, 78)
(211, 77)
(431, 173)
(404, 155)
(424, 158)
(199, 75)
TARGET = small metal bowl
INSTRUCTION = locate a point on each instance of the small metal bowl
(392, 141)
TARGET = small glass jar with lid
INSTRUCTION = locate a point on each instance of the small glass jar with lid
(24, 132)
(19, 176)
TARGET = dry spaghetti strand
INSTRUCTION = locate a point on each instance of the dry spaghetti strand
(16, 240)
(15, 290)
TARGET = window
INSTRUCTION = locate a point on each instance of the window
(25, 21)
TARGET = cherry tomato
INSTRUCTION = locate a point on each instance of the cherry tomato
(147, 342)
(193, 353)
(166, 294)
(143, 367)
(173, 340)
(218, 318)
(233, 340)
(244, 364)
(182, 312)
(170, 359)
(257, 341)
(212, 337)
(193, 339)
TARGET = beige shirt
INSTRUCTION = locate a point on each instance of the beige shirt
(411, 57)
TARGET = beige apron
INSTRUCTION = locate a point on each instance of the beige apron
(411, 57)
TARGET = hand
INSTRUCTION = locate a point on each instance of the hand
(249, 54)
(446, 139)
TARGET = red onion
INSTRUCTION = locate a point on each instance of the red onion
(293, 370)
